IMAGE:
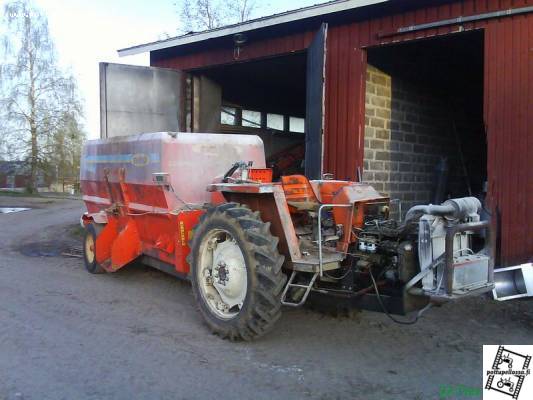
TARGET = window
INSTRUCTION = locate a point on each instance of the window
(296, 124)
(275, 121)
(254, 119)
(227, 115)
(251, 118)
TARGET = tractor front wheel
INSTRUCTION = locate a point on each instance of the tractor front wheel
(236, 272)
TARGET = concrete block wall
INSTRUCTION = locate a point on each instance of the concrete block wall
(407, 130)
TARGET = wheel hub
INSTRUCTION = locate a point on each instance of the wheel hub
(223, 274)
(229, 273)
(89, 248)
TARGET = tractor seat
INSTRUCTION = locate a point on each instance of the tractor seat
(299, 193)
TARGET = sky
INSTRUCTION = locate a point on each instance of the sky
(87, 32)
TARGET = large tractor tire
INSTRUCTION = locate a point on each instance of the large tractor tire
(89, 248)
(236, 272)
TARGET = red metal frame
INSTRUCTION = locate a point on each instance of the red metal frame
(129, 232)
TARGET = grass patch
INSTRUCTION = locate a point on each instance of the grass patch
(13, 193)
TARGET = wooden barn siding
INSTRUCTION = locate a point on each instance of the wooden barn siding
(509, 119)
(251, 51)
(508, 105)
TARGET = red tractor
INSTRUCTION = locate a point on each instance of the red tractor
(203, 207)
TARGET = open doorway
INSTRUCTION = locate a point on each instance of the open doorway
(424, 133)
(266, 98)
(280, 99)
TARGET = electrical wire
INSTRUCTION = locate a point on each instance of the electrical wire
(342, 277)
(348, 293)
(398, 321)
(161, 212)
(147, 213)
(464, 249)
(380, 301)
(179, 198)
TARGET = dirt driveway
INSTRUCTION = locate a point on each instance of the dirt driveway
(135, 334)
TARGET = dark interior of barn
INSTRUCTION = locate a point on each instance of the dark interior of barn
(266, 98)
(424, 136)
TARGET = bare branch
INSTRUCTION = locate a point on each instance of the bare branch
(199, 15)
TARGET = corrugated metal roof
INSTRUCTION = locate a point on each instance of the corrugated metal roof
(263, 22)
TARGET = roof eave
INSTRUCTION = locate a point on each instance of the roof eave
(277, 19)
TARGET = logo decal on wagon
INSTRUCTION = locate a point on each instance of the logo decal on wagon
(140, 160)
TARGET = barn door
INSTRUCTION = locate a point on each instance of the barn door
(314, 112)
(136, 99)
(206, 104)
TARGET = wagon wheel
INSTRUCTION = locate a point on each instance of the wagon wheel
(89, 248)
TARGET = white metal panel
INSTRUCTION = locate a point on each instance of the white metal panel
(135, 99)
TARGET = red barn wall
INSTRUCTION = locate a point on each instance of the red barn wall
(508, 105)
(251, 51)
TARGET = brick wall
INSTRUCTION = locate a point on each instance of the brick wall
(407, 131)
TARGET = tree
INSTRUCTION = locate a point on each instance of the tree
(242, 10)
(37, 97)
(64, 148)
(199, 15)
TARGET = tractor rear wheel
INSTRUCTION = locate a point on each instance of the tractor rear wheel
(89, 249)
(236, 272)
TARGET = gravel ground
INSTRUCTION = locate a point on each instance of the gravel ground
(135, 334)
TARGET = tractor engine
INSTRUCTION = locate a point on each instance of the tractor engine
(379, 250)
(380, 243)
(435, 254)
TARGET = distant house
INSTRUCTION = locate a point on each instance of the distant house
(16, 175)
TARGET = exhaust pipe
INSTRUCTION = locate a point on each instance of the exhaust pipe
(454, 208)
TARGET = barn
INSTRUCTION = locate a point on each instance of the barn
(423, 99)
